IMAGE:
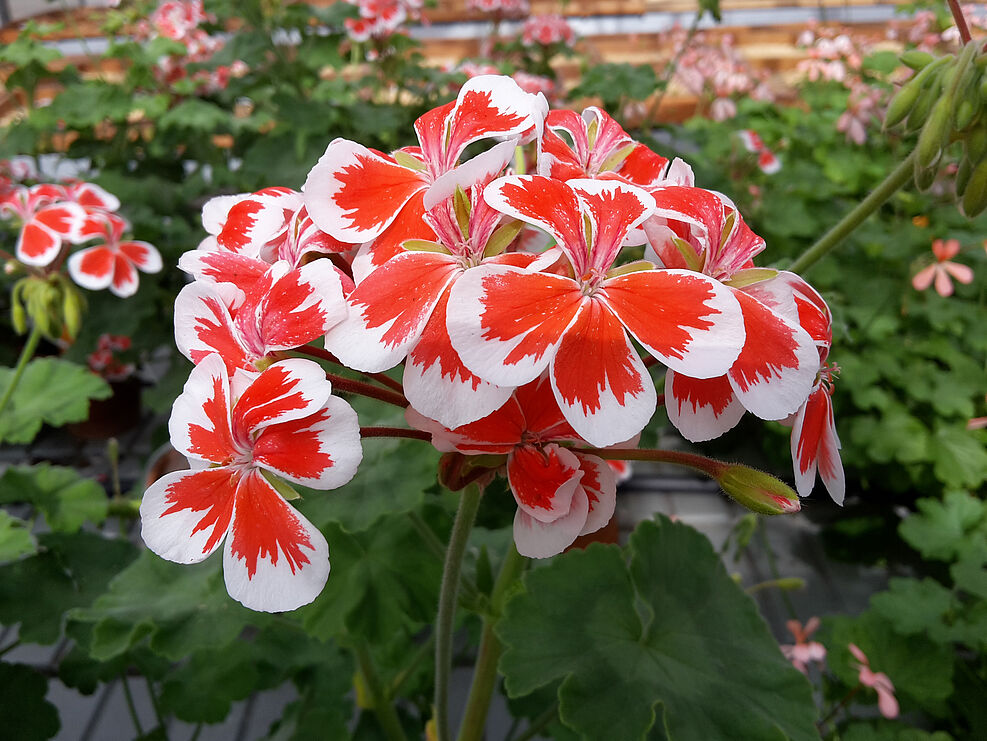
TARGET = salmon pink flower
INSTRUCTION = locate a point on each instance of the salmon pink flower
(561, 492)
(240, 433)
(943, 269)
(887, 703)
(804, 650)
(510, 324)
(360, 195)
(47, 219)
(113, 263)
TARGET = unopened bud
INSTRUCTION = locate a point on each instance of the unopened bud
(966, 113)
(901, 104)
(924, 176)
(963, 173)
(935, 134)
(72, 305)
(18, 317)
(758, 491)
(975, 195)
(976, 144)
(916, 59)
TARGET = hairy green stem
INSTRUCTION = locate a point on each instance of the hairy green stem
(469, 502)
(888, 187)
(485, 673)
(436, 547)
(382, 706)
(26, 354)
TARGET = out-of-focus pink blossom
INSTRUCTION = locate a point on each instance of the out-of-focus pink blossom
(546, 30)
(879, 681)
(501, 8)
(943, 270)
(803, 650)
(534, 83)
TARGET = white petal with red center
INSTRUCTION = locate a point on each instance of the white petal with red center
(815, 444)
(298, 306)
(701, 409)
(777, 366)
(37, 245)
(496, 433)
(254, 220)
(354, 193)
(536, 539)
(64, 219)
(546, 203)
(389, 309)
(600, 382)
(615, 209)
(186, 514)
(556, 159)
(215, 210)
(92, 267)
(125, 280)
(223, 267)
(482, 168)
(199, 425)
(274, 560)
(409, 224)
(203, 325)
(321, 450)
(691, 323)
(437, 383)
(490, 105)
(506, 323)
(599, 482)
(143, 255)
(287, 390)
(543, 480)
(90, 195)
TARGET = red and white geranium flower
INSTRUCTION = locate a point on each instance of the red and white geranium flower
(238, 433)
(114, 262)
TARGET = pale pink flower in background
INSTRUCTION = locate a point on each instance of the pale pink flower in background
(879, 681)
(943, 270)
(804, 650)
(546, 30)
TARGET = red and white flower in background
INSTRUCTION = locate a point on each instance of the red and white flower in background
(773, 375)
(285, 308)
(534, 84)
(862, 111)
(887, 703)
(767, 161)
(359, 195)
(804, 651)
(47, 219)
(90, 196)
(379, 18)
(815, 444)
(114, 262)
(943, 270)
(239, 433)
(561, 492)
(509, 324)
(104, 363)
(503, 8)
(547, 30)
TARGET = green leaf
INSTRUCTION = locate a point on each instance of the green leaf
(960, 459)
(914, 606)
(947, 529)
(178, 608)
(50, 391)
(15, 538)
(697, 647)
(66, 499)
(392, 479)
(886, 730)
(70, 570)
(970, 575)
(27, 715)
(383, 582)
(196, 115)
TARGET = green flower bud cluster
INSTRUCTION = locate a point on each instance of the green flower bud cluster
(53, 304)
(944, 102)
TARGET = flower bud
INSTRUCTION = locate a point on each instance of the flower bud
(916, 59)
(975, 195)
(963, 173)
(935, 133)
(758, 491)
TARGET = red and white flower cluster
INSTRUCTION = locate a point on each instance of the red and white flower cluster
(53, 216)
(180, 20)
(380, 18)
(500, 8)
(105, 363)
(508, 351)
(767, 161)
(546, 30)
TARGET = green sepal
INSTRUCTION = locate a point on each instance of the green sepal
(281, 486)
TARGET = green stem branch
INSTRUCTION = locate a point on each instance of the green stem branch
(890, 185)
(382, 706)
(469, 502)
(485, 673)
(700, 463)
(26, 354)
